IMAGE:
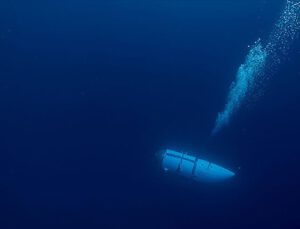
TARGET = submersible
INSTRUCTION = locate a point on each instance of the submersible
(192, 167)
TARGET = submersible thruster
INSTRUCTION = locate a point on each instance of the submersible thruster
(192, 167)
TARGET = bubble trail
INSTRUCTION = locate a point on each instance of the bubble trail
(253, 72)
(245, 79)
(284, 32)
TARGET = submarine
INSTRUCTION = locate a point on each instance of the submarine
(192, 167)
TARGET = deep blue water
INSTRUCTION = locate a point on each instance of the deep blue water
(91, 90)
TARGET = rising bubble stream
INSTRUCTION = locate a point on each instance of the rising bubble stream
(260, 63)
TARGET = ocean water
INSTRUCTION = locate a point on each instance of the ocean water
(91, 90)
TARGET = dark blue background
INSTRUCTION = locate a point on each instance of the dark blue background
(90, 90)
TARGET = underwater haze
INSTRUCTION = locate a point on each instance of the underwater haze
(91, 91)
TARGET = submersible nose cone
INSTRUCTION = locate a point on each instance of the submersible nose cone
(193, 167)
(216, 172)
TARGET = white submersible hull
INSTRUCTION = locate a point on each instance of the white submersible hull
(193, 167)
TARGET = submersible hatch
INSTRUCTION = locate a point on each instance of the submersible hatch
(192, 167)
